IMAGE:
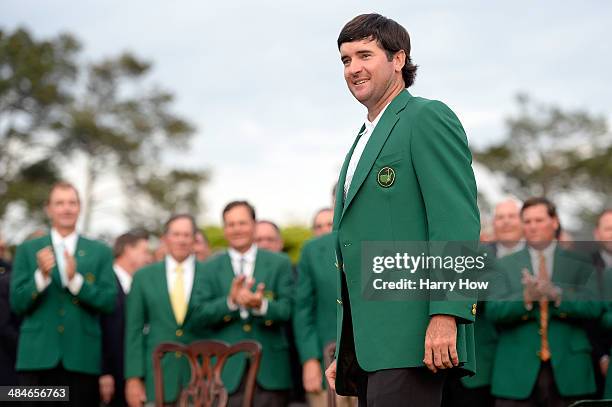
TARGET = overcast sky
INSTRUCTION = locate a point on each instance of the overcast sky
(262, 80)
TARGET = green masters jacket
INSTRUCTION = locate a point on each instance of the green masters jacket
(59, 327)
(414, 182)
(150, 321)
(517, 361)
(314, 315)
(274, 270)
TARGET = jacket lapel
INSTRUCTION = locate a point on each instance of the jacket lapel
(375, 144)
(261, 268)
(196, 271)
(161, 285)
(339, 202)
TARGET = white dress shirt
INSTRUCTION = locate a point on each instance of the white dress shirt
(248, 268)
(607, 258)
(188, 274)
(60, 244)
(358, 151)
(125, 278)
(549, 257)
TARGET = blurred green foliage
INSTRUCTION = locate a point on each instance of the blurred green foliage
(294, 237)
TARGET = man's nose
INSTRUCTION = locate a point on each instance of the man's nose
(353, 68)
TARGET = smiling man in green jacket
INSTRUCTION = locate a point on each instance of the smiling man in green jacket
(408, 177)
(61, 283)
(247, 294)
(543, 355)
(159, 309)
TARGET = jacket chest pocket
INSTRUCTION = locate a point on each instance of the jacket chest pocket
(387, 168)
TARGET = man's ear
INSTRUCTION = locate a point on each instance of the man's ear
(399, 60)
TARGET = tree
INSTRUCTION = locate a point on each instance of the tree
(118, 126)
(53, 110)
(35, 79)
(553, 152)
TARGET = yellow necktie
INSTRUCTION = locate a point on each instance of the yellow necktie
(177, 296)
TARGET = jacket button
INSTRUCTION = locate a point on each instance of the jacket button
(525, 317)
(34, 295)
(179, 332)
(60, 329)
(246, 328)
(562, 315)
(177, 354)
(75, 301)
(227, 318)
(268, 323)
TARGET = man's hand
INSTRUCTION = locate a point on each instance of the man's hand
(107, 388)
(135, 394)
(330, 375)
(441, 343)
(237, 283)
(531, 292)
(604, 363)
(249, 299)
(550, 291)
(70, 265)
(45, 260)
(312, 376)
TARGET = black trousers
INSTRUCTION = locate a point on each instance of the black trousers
(457, 395)
(544, 394)
(83, 387)
(416, 386)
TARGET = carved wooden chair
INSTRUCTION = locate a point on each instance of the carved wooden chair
(205, 389)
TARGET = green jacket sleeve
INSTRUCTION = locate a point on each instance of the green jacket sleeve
(135, 320)
(442, 162)
(23, 292)
(100, 292)
(211, 301)
(306, 337)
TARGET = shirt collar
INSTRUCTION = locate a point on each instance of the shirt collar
(548, 251)
(371, 125)
(188, 263)
(606, 257)
(249, 255)
(505, 251)
(70, 240)
(125, 278)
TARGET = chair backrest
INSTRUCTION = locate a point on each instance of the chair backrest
(328, 357)
(592, 403)
(206, 360)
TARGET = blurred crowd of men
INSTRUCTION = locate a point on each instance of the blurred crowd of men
(75, 312)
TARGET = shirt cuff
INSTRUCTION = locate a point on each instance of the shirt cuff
(262, 310)
(230, 305)
(41, 281)
(74, 285)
